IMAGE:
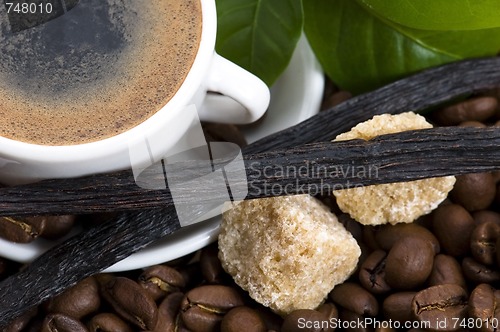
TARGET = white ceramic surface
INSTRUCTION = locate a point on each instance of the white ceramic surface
(24, 163)
(295, 97)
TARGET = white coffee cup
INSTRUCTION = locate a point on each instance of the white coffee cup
(240, 97)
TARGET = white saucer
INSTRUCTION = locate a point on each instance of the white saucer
(295, 97)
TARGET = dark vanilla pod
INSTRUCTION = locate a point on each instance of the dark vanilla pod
(308, 169)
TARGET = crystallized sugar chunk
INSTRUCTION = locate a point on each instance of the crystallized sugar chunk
(287, 252)
(396, 202)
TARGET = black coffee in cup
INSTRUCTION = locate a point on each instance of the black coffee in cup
(93, 71)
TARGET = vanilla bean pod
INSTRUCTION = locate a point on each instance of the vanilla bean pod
(395, 158)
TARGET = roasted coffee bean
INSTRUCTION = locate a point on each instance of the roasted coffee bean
(409, 262)
(179, 328)
(20, 323)
(372, 273)
(479, 273)
(495, 93)
(497, 248)
(160, 280)
(102, 279)
(22, 230)
(350, 321)
(203, 307)
(240, 317)
(475, 124)
(453, 226)
(385, 329)
(329, 310)
(272, 320)
(201, 320)
(476, 109)
(335, 99)
(354, 298)
(474, 191)
(387, 235)
(62, 323)
(210, 265)
(446, 270)
(486, 215)
(77, 301)
(58, 226)
(484, 307)
(219, 132)
(305, 320)
(440, 306)
(108, 322)
(483, 242)
(131, 302)
(397, 306)
(168, 313)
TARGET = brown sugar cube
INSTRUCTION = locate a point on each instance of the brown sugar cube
(286, 252)
(394, 202)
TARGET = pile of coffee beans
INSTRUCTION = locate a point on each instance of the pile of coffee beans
(441, 272)
(28, 229)
(190, 294)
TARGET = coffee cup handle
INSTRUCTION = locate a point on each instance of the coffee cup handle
(234, 95)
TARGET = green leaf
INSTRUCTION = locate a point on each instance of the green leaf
(460, 44)
(259, 35)
(360, 51)
(439, 14)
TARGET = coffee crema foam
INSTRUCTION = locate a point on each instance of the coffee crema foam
(100, 69)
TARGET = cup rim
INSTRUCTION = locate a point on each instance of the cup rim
(101, 148)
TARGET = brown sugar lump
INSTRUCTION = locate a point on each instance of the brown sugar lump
(286, 252)
(394, 202)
